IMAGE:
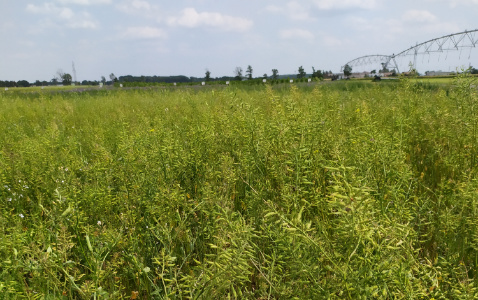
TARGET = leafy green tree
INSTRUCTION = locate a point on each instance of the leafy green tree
(66, 79)
(208, 75)
(87, 82)
(275, 74)
(264, 76)
(317, 74)
(347, 70)
(23, 83)
(103, 79)
(301, 73)
(249, 72)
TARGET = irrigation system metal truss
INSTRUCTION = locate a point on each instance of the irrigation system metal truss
(452, 42)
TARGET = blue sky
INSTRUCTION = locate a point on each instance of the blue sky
(146, 37)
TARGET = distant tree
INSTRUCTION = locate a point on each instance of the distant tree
(103, 79)
(87, 82)
(23, 83)
(66, 79)
(58, 77)
(264, 76)
(473, 70)
(7, 83)
(384, 68)
(373, 72)
(113, 77)
(59, 74)
(238, 73)
(249, 72)
(208, 75)
(275, 74)
(347, 70)
(301, 73)
(317, 74)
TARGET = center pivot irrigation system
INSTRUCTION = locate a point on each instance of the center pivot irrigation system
(444, 44)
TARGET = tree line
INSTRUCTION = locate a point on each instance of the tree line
(62, 78)
(238, 74)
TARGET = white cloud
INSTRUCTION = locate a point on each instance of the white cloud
(83, 21)
(293, 10)
(455, 3)
(190, 18)
(66, 14)
(140, 8)
(63, 14)
(139, 4)
(344, 4)
(465, 2)
(145, 32)
(134, 6)
(49, 8)
(85, 2)
(296, 34)
(428, 22)
(419, 16)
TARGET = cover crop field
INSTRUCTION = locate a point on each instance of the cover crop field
(352, 190)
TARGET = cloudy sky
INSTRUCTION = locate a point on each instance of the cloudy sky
(185, 37)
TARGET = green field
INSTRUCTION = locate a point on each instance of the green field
(344, 190)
